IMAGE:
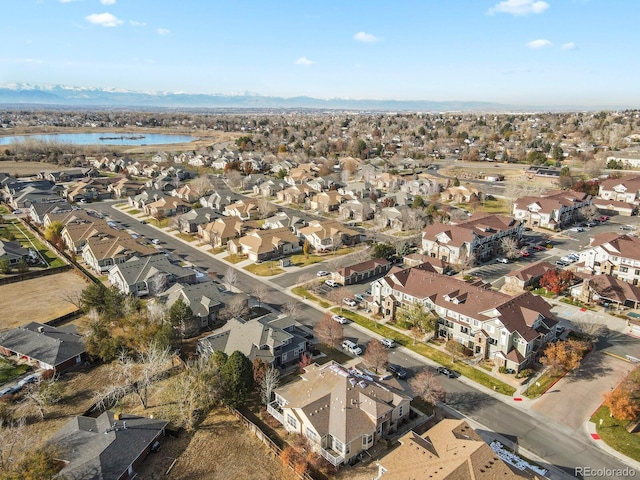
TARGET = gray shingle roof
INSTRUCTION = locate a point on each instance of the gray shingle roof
(141, 269)
(46, 344)
(95, 450)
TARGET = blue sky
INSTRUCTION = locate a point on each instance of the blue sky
(536, 52)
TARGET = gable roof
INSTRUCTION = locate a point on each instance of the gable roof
(450, 450)
(477, 226)
(618, 245)
(12, 250)
(43, 343)
(200, 297)
(141, 269)
(111, 247)
(102, 448)
(261, 241)
(533, 270)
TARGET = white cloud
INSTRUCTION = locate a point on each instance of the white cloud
(67, 1)
(107, 2)
(519, 7)
(568, 46)
(366, 37)
(104, 19)
(163, 31)
(304, 61)
(540, 43)
(135, 23)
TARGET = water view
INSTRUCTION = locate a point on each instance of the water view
(102, 138)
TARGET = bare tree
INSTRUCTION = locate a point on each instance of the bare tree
(156, 311)
(590, 329)
(201, 185)
(328, 331)
(158, 283)
(260, 292)
(427, 386)
(237, 307)
(466, 262)
(264, 207)
(376, 355)
(509, 246)
(337, 295)
(292, 309)
(43, 394)
(230, 278)
(589, 212)
(362, 255)
(74, 298)
(14, 442)
(195, 390)
(234, 179)
(336, 242)
(270, 381)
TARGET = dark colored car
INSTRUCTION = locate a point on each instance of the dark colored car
(397, 370)
(446, 372)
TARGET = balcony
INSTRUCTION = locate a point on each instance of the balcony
(332, 457)
(274, 409)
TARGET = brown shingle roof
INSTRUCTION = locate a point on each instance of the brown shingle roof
(618, 245)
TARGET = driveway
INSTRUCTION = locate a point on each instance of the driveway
(575, 397)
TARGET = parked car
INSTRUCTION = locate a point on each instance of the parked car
(322, 273)
(339, 319)
(367, 291)
(352, 347)
(29, 379)
(562, 263)
(573, 256)
(576, 229)
(538, 248)
(397, 370)
(525, 253)
(502, 260)
(144, 222)
(331, 283)
(388, 342)
(360, 297)
(17, 211)
(603, 218)
(446, 372)
(155, 241)
(10, 390)
(350, 302)
(592, 224)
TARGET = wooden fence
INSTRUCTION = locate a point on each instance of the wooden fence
(34, 274)
(275, 449)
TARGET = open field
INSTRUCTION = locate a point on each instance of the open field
(220, 449)
(38, 299)
(27, 168)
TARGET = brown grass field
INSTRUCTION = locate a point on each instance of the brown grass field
(38, 299)
(27, 168)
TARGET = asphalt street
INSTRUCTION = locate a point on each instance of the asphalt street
(551, 441)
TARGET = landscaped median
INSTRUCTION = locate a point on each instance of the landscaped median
(429, 352)
(614, 433)
(304, 293)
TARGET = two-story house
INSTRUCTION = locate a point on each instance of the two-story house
(612, 254)
(102, 253)
(509, 330)
(340, 410)
(148, 275)
(276, 340)
(326, 235)
(266, 244)
(553, 211)
(480, 235)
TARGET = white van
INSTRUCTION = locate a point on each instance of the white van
(351, 347)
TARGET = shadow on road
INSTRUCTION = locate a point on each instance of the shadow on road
(469, 402)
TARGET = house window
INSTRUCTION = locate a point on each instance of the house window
(624, 269)
(311, 435)
(400, 410)
(338, 446)
(292, 421)
(367, 440)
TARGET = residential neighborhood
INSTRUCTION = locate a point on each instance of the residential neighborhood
(362, 314)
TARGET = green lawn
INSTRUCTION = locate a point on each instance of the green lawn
(9, 371)
(613, 432)
(233, 258)
(541, 385)
(159, 223)
(23, 235)
(303, 292)
(4, 210)
(265, 269)
(497, 206)
(186, 237)
(434, 354)
(134, 211)
(302, 260)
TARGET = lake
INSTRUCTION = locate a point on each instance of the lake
(103, 138)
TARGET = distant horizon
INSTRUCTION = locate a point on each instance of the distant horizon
(513, 52)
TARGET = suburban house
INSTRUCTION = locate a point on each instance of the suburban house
(37, 211)
(325, 202)
(480, 236)
(283, 219)
(65, 217)
(125, 187)
(148, 275)
(626, 159)
(358, 210)
(415, 259)
(166, 207)
(450, 450)
(26, 197)
(526, 276)
(190, 221)
(612, 254)
(89, 189)
(76, 233)
(220, 231)
(342, 411)
(361, 271)
(102, 253)
(276, 340)
(215, 201)
(243, 209)
(186, 193)
(461, 194)
(205, 300)
(553, 211)
(606, 289)
(614, 207)
(328, 234)
(295, 195)
(266, 244)
(111, 446)
(13, 252)
(46, 347)
(510, 330)
(143, 198)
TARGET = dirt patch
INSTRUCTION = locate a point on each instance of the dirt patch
(28, 168)
(220, 449)
(38, 299)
